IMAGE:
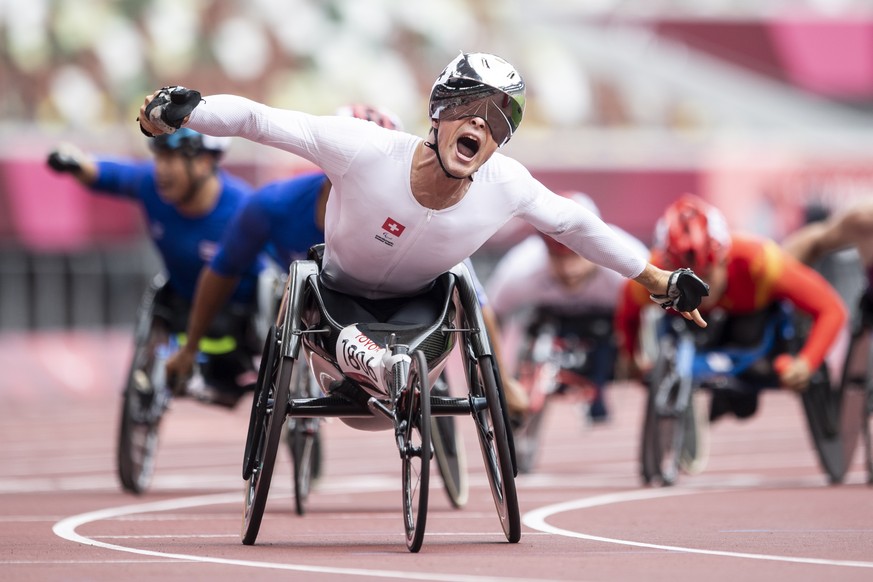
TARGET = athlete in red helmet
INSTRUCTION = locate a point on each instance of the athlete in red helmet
(747, 275)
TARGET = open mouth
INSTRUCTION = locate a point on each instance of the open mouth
(468, 147)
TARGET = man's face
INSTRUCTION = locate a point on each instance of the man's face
(465, 144)
(570, 269)
(176, 174)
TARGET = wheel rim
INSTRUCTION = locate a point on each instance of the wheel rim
(140, 418)
(416, 451)
(268, 434)
(496, 456)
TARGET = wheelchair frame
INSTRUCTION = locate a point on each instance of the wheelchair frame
(671, 439)
(408, 406)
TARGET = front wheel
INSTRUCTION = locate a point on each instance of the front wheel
(414, 442)
(268, 417)
(494, 443)
(142, 407)
(449, 452)
(821, 404)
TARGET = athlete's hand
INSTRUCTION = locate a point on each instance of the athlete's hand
(684, 292)
(180, 367)
(66, 159)
(167, 109)
(794, 372)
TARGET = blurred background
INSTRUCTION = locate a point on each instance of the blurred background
(765, 107)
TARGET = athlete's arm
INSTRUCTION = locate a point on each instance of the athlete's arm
(812, 294)
(811, 242)
(213, 291)
(71, 160)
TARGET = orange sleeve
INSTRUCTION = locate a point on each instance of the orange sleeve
(812, 294)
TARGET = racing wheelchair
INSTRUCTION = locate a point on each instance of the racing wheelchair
(147, 393)
(691, 359)
(857, 385)
(376, 363)
(562, 356)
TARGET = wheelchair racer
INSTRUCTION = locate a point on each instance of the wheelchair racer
(404, 210)
(187, 201)
(852, 227)
(748, 276)
(550, 285)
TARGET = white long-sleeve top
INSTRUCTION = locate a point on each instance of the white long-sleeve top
(523, 279)
(380, 241)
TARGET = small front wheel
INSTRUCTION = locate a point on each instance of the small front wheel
(414, 442)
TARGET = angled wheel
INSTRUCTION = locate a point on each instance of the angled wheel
(265, 431)
(142, 407)
(868, 432)
(821, 403)
(669, 416)
(449, 452)
(855, 397)
(494, 438)
(306, 456)
(304, 440)
(414, 441)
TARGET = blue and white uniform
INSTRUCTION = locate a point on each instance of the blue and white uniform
(185, 243)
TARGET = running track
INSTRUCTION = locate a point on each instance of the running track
(760, 511)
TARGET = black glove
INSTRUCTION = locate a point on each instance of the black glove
(64, 161)
(685, 290)
(170, 107)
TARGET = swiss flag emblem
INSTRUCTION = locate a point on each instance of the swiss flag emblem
(391, 226)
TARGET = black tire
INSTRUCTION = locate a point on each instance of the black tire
(141, 415)
(414, 439)
(449, 452)
(669, 414)
(260, 399)
(494, 442)
(821, 404)
(855, 397)
(868, 432)
(264, 445)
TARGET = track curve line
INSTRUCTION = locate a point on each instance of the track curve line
(537, 520)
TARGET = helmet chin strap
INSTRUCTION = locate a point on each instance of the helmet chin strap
(436, 150)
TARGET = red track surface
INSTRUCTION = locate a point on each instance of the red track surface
(760, 511)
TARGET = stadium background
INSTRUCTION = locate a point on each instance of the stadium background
(763, 107)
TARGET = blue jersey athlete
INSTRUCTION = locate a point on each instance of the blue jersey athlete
(187, 202)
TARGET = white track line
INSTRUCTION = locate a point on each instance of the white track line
(537, 520)
(66, 529)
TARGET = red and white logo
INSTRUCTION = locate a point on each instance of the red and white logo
(391, 226)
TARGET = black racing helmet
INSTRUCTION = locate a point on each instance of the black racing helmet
(190, 143)
(480, 85)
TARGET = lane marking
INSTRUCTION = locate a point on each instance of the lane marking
(537, 519)
(66, 529)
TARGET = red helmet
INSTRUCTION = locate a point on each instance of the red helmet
(377, 115)
(692, 233)
(556, 248)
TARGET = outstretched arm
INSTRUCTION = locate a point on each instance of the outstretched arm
(213, 291)
(71, 160)
(850, 228)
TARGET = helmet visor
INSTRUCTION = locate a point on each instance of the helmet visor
(498, 110)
